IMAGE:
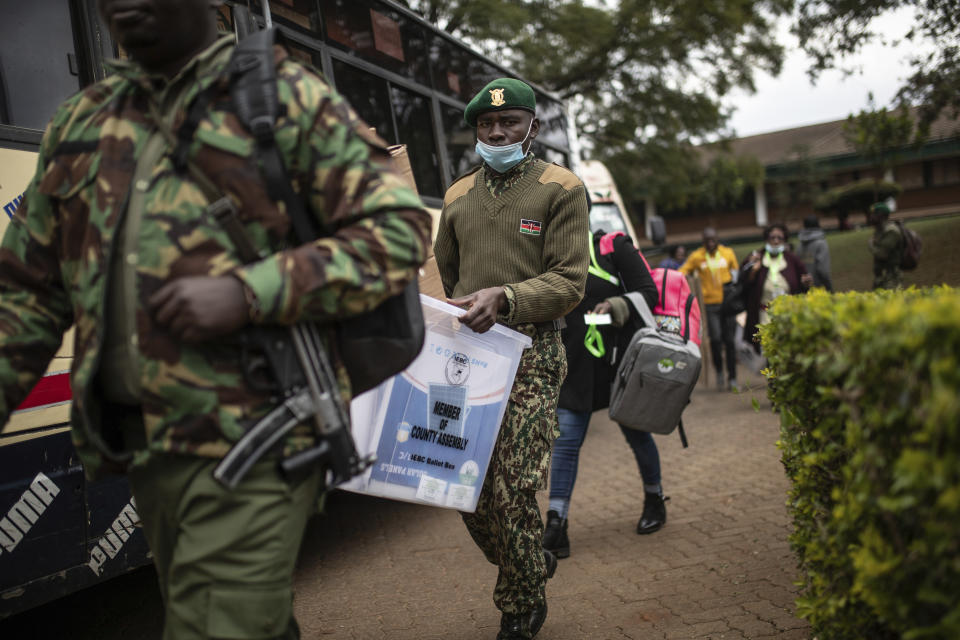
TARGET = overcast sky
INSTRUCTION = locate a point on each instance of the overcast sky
(789, 100)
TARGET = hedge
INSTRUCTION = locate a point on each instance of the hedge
(867, 387)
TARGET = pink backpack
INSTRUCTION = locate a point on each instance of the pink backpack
(677, 310)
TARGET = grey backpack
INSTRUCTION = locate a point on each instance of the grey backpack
(656, 375)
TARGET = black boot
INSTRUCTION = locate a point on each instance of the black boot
(555, 535)
(550, 561)
(654, 513)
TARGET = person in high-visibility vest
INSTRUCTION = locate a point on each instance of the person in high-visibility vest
(615, 267)
(716, 265)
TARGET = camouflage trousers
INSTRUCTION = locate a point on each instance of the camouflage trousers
(888, 278)
(507, 525)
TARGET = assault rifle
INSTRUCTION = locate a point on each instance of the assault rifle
(297, 362)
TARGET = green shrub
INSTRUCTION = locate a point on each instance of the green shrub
(868, 390)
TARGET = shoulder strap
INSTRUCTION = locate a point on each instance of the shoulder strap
(596, 269)
(641, 306)
(253, 89)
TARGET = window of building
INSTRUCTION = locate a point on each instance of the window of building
(38, 63)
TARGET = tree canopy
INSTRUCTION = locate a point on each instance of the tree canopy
(832, 30)
(647, 79)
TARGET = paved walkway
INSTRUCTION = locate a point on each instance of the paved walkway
(373, 569)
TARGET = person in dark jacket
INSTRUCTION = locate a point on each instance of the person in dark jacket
(815, 253)
(771, 272)
(591, 358)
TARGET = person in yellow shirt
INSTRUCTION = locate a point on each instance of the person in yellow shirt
(715, 265)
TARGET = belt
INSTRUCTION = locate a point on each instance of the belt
(550, 325)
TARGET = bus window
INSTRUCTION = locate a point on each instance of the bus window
(368, 95)
(415, 129)
(38, 62)
(458, 72)
(550, 155)
(299, 14)
(460, 141)
(606, 216)
(553, 123)
(378, 34)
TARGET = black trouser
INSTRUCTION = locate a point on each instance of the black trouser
(722, 331)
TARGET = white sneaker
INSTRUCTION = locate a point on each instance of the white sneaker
(734, 386)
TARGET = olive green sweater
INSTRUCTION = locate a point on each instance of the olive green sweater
(531, 239)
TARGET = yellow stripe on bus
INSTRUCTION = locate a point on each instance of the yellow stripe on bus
(23, 437)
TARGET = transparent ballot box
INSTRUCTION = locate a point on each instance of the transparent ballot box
(433, 427)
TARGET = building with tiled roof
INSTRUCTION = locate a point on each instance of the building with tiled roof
(804, 161)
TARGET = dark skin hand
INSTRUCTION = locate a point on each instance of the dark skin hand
(198, 308)
(482, 308)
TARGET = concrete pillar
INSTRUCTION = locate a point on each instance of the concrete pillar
(891, 201)
(761, 204)
(649, 210)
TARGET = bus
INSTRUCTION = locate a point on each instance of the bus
(407, 79)
(607, 211)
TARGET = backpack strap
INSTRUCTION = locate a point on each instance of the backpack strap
(686, 317)
(253, 89)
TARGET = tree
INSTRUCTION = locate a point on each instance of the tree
(831, 30)
(797, 182)
(879, 135)
(646, 78)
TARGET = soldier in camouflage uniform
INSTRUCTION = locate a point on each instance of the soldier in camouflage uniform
(112, 237)
(511, 247)
(887, 246)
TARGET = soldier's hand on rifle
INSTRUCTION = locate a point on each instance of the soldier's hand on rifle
(197, 308)
(482, 308)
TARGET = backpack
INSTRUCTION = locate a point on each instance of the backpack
(379, 343)
(677, 309)
(655, 378)
(912, 246)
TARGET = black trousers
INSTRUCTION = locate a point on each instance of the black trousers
(722, 331)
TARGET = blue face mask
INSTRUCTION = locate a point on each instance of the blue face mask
(503, 158)
(774, 251)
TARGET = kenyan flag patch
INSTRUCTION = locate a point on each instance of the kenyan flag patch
(530, 227)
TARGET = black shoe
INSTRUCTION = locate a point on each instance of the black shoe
(654, 513)
(523, 626)
(512, 627)
(555, 535)
(537, 617)
(550, 561)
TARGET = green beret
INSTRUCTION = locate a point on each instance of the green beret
(881, 208)
(502, 93)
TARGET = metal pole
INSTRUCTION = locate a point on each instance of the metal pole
(268, 21)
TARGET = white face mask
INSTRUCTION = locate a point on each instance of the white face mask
(503, 158)
(774, 251)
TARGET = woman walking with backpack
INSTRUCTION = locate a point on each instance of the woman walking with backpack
(616, 266)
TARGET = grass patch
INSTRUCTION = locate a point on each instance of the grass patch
(852, 263)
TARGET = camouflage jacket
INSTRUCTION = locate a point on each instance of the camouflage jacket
(55, 256)
(887, 247)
